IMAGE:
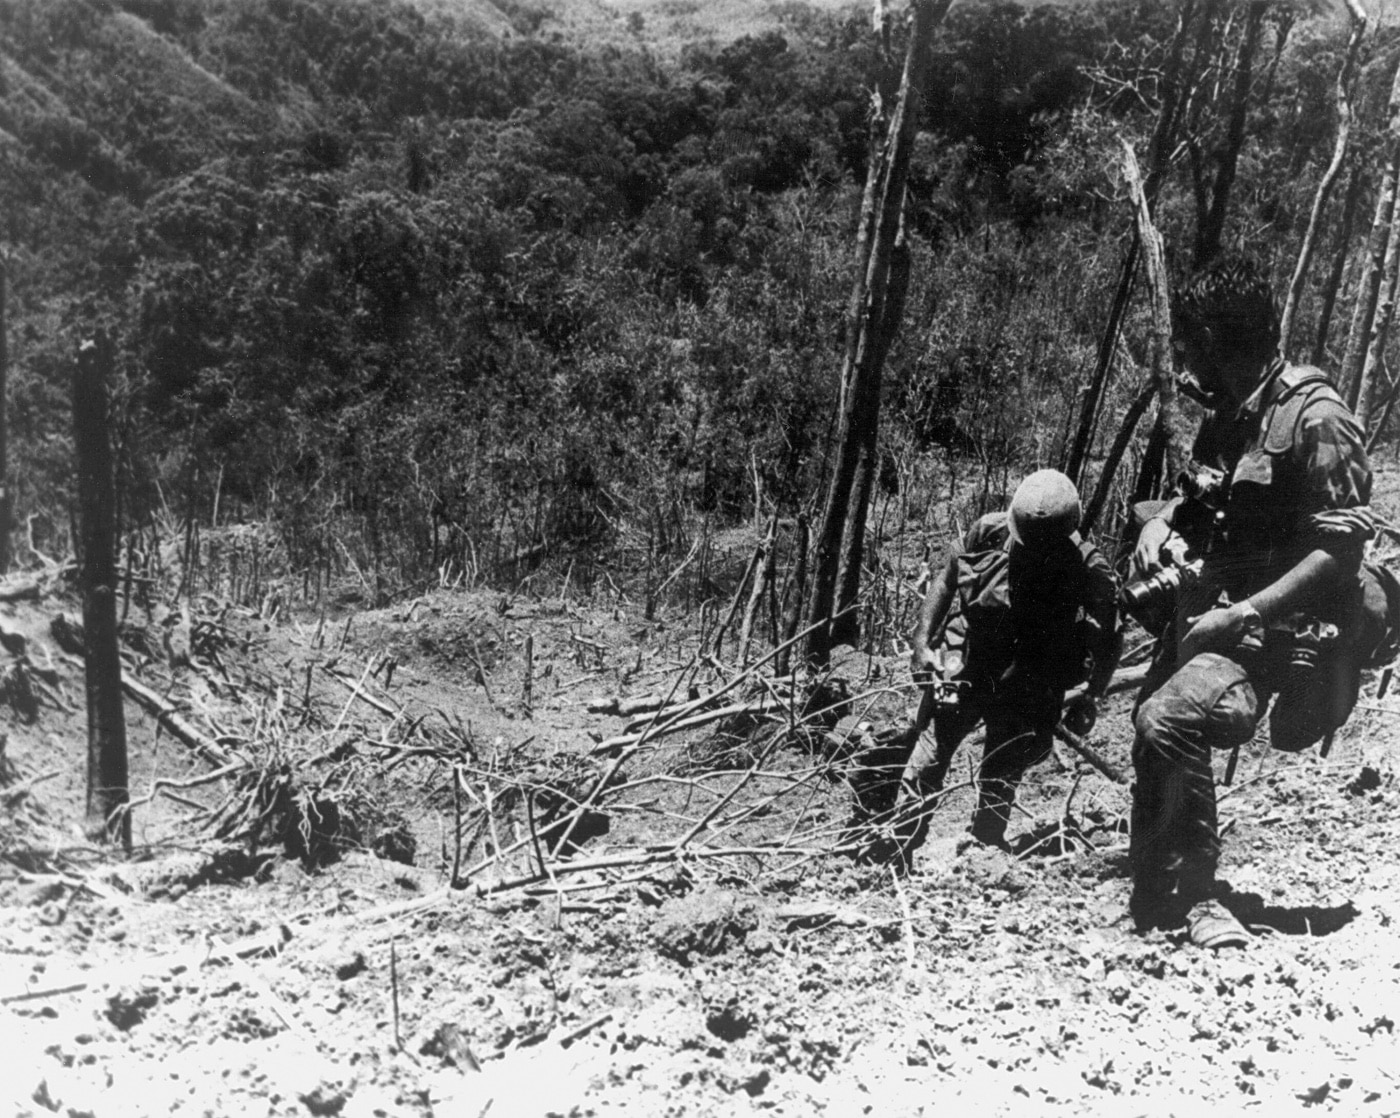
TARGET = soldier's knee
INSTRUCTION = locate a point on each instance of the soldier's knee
(1209, 702)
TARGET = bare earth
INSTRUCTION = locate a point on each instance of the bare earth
(663, 968)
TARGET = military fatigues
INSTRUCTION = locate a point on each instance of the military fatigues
(1297, 480)
(1019, 634)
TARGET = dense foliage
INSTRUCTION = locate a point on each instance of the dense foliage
(414, 294)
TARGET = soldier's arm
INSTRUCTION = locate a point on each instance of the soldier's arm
(934, 611)
(1102, 610)
(1148, 558)
(1335, 526)
(1337, 521)
(1316, 573)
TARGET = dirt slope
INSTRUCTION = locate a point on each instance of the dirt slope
(744, 973)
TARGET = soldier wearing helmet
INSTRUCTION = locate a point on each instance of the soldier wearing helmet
(1278, 557)
(1023, 611)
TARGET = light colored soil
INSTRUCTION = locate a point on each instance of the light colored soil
(772, 981)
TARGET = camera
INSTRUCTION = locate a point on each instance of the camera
(1310, 640)
(948, 693)
(1204, 484)
(1160, 588)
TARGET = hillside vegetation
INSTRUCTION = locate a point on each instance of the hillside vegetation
(439, 290)
(465, 354)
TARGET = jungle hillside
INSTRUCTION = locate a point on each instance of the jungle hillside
(486, 292)
(472, 381)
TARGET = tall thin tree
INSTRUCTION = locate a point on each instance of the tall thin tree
(1345, 74)
(107, 792)
(1177, 76)
(1367, 397)
(1363, 317)
(5, 498)
(1341, 253)
(1215, 200)
(873, 314)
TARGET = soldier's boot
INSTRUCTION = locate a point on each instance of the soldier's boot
(1155, 901)
(993, 815)
(919, 788)
(1165, 893)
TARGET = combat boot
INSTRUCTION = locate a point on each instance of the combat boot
(993, 814)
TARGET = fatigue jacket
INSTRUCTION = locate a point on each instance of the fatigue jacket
(1058, 631)
(1296, 480)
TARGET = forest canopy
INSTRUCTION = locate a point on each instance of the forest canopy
(418, 294)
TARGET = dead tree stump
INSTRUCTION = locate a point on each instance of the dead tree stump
(107, 791)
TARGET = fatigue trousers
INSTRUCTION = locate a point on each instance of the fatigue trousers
(1020, 728)
(1211, 702)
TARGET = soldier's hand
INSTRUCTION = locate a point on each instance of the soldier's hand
(1217, 630)
(1080, 715)
(1147, 556)
(923, 665)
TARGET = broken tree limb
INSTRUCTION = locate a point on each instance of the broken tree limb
(1078, 744)
(358, 691)
(750, 571)
(1159, 290)
(763, 705)
(1131, 418)
(638, 704)
(763, 575)
(175, 723)
(21, 590)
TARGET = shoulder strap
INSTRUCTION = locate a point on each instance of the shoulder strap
(1300, 386)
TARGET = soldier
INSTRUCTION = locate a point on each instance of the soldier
(1273, 522)
(1024, 611)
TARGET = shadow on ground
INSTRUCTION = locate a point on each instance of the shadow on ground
(1301, 920)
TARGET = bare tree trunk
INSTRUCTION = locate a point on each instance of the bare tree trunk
(872, 316)
(792, 617)
(5, 498)
(1369, 290)
(763, 578)
(1103, 365)
(107, 793)
(1380, 328)
(1387, 409)
(1174, 86)
(1330, 176)
(1136, 410)
(1159, 291)
(1285, 18)
(1339, 263)
(1211, 226)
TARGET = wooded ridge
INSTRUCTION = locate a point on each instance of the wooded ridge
(407, 299)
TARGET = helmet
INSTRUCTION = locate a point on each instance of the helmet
(1044, 509)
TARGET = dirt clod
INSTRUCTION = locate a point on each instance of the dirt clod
(707, 922)
(349, 968)
(128, 1006)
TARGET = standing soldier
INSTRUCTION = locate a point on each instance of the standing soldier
(1262, 549)
(1024, 611)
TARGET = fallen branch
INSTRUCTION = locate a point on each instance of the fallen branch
(175, 723)
(12, 794)
(1078, 745)
(21, 590)
(638, 704)
(358, 691)
(165, 784)
(763, 705)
